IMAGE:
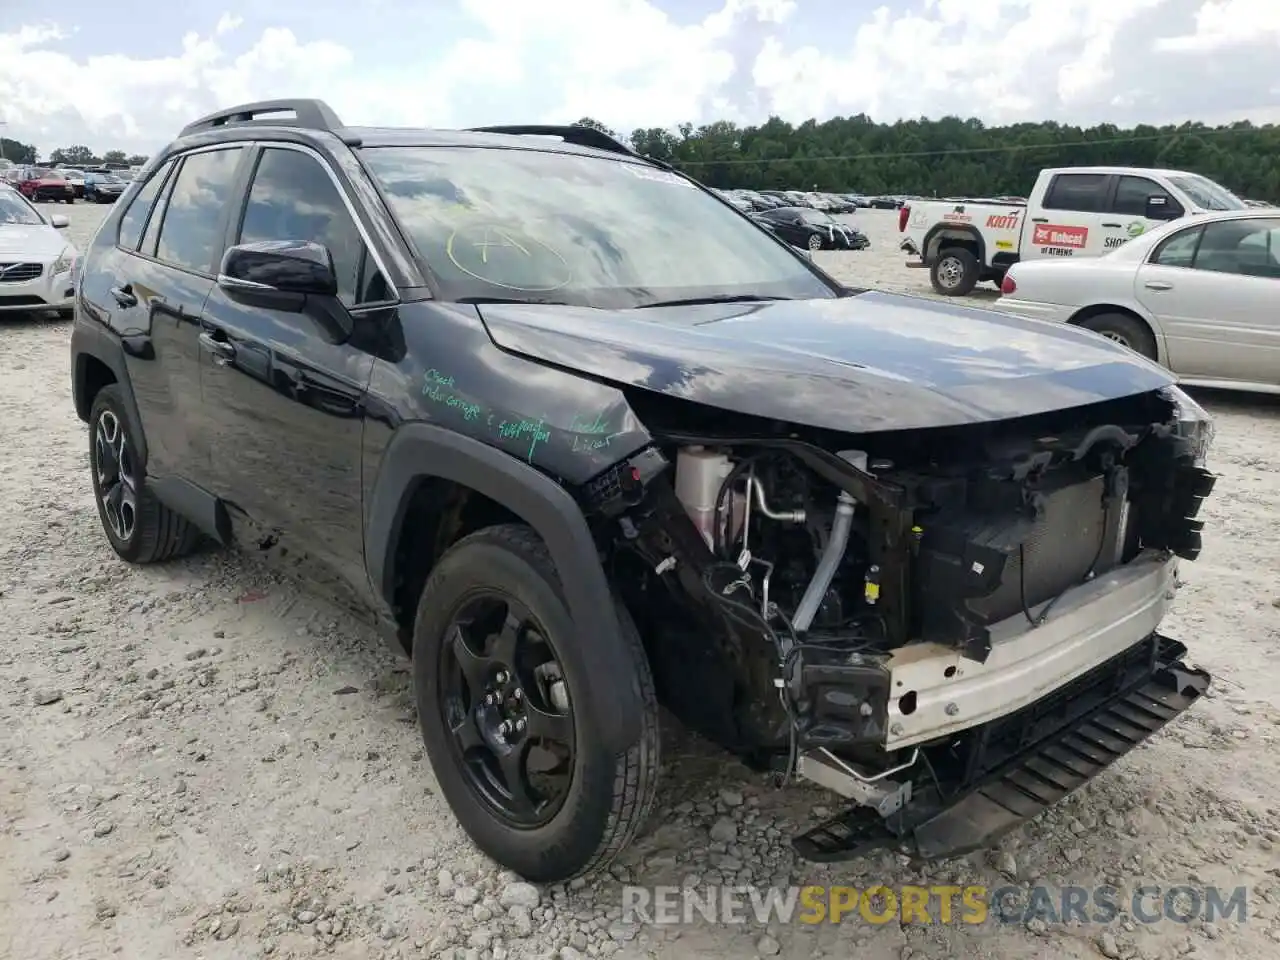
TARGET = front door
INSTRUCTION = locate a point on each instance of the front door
(1213, 289)
(1133, 205)
(284, 400)
(1068, 221)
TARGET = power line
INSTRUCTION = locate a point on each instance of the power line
(967, 151)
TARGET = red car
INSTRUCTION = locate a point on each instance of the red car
(43, 184)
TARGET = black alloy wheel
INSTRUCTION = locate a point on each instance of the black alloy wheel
(116, 477)
(138, 526)
(504, 700)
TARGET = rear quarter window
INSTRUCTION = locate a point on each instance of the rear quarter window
(134, 219)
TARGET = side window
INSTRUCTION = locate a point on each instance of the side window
(1239, 246)
(135, 217)
(149, 239)
(1082, 192)
(191, 235)
(292, 197)
(1178, 250)
(1132, 193)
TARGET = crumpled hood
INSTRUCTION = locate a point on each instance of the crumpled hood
(36, 242)
(873, 361)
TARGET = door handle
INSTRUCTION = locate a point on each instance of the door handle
(1158, 285)
(124, 295)
(222, 350)
(1115, 225)
(1039, 219)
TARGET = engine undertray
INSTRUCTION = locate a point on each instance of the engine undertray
(1101, 717)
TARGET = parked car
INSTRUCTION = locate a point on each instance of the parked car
(41, 183)
(640, 452)
(37, 263)
(103, 187)
(1199, 296)
(75, 178)
(813, 229)
(1073, 212)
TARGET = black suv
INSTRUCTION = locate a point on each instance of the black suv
(583, 438)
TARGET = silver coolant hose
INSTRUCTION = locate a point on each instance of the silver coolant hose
(827, 566)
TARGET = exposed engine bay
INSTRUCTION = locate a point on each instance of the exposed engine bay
(868, 611)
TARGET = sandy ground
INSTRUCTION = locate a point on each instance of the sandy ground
(199, 760)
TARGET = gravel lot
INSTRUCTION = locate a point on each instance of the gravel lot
(199, 760)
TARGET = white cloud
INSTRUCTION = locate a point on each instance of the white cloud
(629, 64)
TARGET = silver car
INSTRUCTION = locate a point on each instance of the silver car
(1198, 295)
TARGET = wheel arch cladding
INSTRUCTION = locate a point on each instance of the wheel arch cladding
(98, 360)
(419, 451)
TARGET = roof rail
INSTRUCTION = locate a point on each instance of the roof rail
(310, 114)
(569, 133)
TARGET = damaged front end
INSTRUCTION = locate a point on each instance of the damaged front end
(950, 627)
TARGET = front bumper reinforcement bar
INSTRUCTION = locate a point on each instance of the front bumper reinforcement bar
(1060, 746)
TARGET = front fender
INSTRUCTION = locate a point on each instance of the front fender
(419, 451)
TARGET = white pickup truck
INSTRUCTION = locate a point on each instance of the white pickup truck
(1072, 212)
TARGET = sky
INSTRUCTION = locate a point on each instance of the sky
(129, 74)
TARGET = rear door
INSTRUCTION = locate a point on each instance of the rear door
(1136, 204)
(1213, 288)
(174, 266)
(1068, 221)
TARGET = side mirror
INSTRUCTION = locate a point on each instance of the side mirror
(287, 275)
(279, 266)
(59, 222)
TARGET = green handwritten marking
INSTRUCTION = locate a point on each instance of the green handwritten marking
(534, 430)
(437, 388)
(583, 424)
(588, 443)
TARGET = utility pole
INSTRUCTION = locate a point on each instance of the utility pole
(3, 123)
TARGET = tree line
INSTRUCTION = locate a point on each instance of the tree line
(952, 156)
(76, 156)
(947, 157)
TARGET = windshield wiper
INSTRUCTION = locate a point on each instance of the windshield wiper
(694, 301)
(515, 300)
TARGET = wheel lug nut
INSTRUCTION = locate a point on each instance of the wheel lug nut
(520, 724)
(501, 677)
(517, 693)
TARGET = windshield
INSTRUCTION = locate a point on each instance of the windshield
(818, 216)
(1206, 194)
(589, 231)
(71, 173)
(13, 209)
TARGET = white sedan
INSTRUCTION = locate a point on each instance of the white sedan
(1200, 295)
(36, 262)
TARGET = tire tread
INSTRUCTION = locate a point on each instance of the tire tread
(162, 533)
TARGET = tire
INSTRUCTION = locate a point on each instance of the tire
(156, 532)
(815, 241)
(1126, 330)
(609, 796)
(954, 272)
